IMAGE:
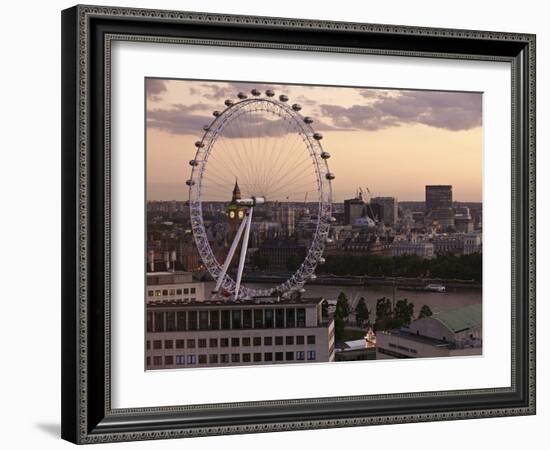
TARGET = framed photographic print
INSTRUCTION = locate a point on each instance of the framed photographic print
(306, 210)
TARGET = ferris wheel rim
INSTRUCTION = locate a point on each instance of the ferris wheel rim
(205, 146)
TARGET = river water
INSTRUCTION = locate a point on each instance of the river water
(437, 302)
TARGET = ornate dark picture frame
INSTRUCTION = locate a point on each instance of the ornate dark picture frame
(87, 34)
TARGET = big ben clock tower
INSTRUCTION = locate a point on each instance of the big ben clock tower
(235, 213)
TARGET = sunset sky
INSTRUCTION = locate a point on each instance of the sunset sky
(393, 141)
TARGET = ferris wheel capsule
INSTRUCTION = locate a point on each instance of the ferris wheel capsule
(269, 93)
(325, 155)
(216, 113)
(190, 183)
(242, 95)
(296, 107)
(193, 163)
(228, 102)
(322, 260)
(206, 127)
(313, 276)
(329, 241)
(199, 144)
(317, 136)
(283, 98)
(330, 176)
(308, 120)
(255, 92)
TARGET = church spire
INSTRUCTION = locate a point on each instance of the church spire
(236, 192)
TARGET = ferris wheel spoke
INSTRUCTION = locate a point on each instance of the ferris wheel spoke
(239, 168)
(287, 187)
(234, 145)
(297, 164)
(211, 184)
(277, 172)
(279, 148)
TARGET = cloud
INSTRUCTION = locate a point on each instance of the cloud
(375, 109)
(155, 87)
(374, 93)
(178, 120)
(453, 111)
(181, 119)
(220, 92)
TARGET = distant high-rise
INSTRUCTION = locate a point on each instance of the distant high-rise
(439, 206)
(285, 215)
(438, 197)
(354, 208)
(389, 209)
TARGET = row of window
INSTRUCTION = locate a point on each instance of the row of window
(234, 342)
(227, 358)
(402, 348)
(166, 292)
(160, 321)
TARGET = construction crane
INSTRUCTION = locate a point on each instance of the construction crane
(368, 204)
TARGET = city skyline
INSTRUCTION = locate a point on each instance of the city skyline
(391, 124)
(279, 259)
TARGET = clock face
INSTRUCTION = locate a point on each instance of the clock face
(232, 214)
(241, 214)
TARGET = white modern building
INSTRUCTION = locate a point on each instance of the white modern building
(229, 333)
(456, 332)
(173, 286)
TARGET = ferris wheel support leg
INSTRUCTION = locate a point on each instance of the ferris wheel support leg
(230, 254)
(244, 248)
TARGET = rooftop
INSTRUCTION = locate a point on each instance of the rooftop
(461, 319)
(405, 334)
(232, 303)
(178, 277)
(177, 272)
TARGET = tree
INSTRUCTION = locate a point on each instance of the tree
(425, 311)
(383, 313)
(339, 326)
(361, 312)
(262, 262)
(403, 313)
(462, 267)
(342, 307)
(324, 310)
(293, 262)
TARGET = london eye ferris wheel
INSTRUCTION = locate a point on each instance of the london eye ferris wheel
(276, 155)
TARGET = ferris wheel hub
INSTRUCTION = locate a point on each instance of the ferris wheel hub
(252, 201)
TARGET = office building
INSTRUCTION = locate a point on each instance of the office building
(266, 330)
(173, 286)
(354, 208)
(463, 220)
(389, 209)
(450, 333)
(438, 197)
(285, 215)
(439, 207)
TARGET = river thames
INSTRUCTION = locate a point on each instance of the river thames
(455, 298)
